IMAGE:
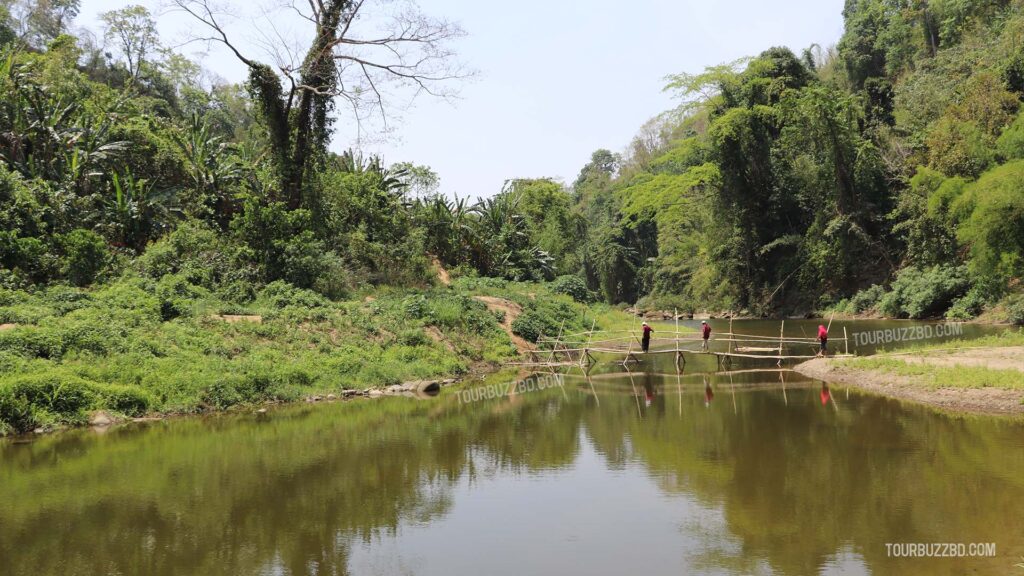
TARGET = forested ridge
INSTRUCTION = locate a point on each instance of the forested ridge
(885, 174)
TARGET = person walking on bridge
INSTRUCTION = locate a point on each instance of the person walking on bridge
(823, 338)
(705, 329)
(645, 342)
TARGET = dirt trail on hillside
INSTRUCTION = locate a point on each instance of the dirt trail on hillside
(442, 274)
(980, 400)
(512, 311)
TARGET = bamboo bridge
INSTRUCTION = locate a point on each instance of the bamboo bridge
(579, 349)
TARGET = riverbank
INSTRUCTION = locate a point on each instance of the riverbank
(984, 376)
(136, 348)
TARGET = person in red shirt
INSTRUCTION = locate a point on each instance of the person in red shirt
(706, 332)
(823, 338)
(645, 343)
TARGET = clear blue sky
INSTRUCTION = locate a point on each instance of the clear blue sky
(559, 79)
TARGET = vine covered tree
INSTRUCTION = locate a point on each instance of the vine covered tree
(402, 49)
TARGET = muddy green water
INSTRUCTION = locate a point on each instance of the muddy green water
(700, 473)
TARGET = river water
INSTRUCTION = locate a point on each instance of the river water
(756, 471)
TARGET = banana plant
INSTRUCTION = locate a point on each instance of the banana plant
(139, 212)
(212, 166)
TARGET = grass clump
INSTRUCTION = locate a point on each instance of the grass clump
(55, 398)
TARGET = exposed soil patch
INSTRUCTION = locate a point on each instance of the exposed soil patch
(235, 318)
(442, 274)
(437, 336)
(7, 327)
(512, 311)
(978, 400)
(1007, 358)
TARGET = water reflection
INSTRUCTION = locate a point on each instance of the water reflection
(612, 473)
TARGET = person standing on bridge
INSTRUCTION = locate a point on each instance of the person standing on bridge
(823, 338)
(645, 342)
(705, 329)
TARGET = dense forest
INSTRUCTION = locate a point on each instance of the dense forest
(884, 175)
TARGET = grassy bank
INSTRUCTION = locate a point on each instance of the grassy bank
(933, 376)
(138, 346)
(980, 375)
(918, 362)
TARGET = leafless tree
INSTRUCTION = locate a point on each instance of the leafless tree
(363, 53)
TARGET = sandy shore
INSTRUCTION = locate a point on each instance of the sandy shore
(975, 400)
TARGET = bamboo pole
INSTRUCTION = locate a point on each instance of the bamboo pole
(730, 334)
(632, 383)
(782, 377)
(675, 316)
(557, 340)
(679, 387)
(846, 340)
(782, 330)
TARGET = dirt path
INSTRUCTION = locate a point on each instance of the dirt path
(512, 311)
(442, 274)
(978, 400)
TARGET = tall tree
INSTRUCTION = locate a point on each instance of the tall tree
(133, 31)
(404, 47)
(40, 21)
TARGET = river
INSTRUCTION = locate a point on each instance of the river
(747, 472)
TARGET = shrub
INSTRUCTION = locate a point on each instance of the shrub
(866, 299)
(1011, 142)
(66, 299)
(966, 307)
(307, 263)
(413, 337)
(16, 413)
(920, 293)
(87, 331)
(85, 256)
(128, 400)
(545, 317)
(30, 401)
(1015, 310)
(573, 286)
(31, 342)
(280, 294)
(221, 394)
(178, 297)
(197, 252)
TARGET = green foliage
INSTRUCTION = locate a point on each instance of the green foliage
(924, 293)
(545, 318)
(993, 229)
(1011, 141)
(27, 402)
(967, 307)
(178, 297)
(85, 256)
(280, 294)
(1015, 310)
(866, 300)
(574, 287)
